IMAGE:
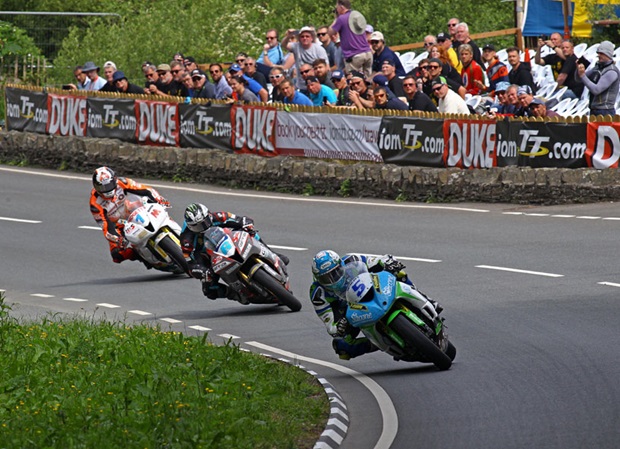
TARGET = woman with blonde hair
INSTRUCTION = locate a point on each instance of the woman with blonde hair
(438, 52)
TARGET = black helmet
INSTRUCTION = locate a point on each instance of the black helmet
(104, 182)
(197, 217)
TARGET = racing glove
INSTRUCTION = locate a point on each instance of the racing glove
(392, 265)
(342, 327)
(163, 201)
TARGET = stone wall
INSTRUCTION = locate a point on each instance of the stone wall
(520, 185)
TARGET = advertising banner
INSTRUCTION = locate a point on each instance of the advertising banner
(111, 118)
(205, 126)
(66, 115)
(470, 143)
(603, 145)
(507, 143)
(411, 141)
(253, 130)
(330, 136)
(558, 145)
(26, 110)
(157, 122)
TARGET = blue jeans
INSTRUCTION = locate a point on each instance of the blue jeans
(611, 111)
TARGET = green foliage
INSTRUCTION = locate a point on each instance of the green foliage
(15, 42)
(308, 190)
(345, 188)
(597, 11)
(77, 383)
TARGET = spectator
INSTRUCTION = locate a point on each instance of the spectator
(178, 57)
(438, 52)
(272, 53)
(249, 68)
(435, 67)
(512, 97)
(92, 72)
(320, 94)
(495, 69)
(421, 71)
(81, 78)
(238, 85)
(380, 80)
(444, 41)
(321, 71)
(222, 88)
(539, 109)
(125, 87)
(240, 58)
(567, 77)
(452, 23)
(368, 31)
(525, 95)
(177, 70)
(187, 81)
(502, 102)
(306, 71)
(202, 87)
(291, 95)
(603, 81)
(253, 86)
(167, 84)
(462, 36)
(429, 41)
(190, 64)
(306, 51)
(330, 48)
(355, 49)
(394, 82)
(521, 72)
(382, 101)
(449, 101)
(108, 72)
(555, 57)
(382, 53)
(359, 93)
(342, 92)
(472, 72)
(276, 76)
(417, 100)
(152, 78)
(339, 59)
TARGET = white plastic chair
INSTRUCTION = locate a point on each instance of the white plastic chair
(590, 53)
(580, 49)
(406, 60)
(502, 55)
(547, 89)
(558, 93)
(418, 58)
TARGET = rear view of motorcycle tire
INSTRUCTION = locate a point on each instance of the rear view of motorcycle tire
(174, 252)
(284, 296)
(415, 338)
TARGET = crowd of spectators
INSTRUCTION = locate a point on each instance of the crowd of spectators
(348, 64)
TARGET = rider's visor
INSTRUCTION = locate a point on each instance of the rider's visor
(331, 277)
(201, 226)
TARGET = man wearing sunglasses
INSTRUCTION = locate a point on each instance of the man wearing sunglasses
(272, 53)
(306, 51)
(359, 93)
(330, 48)
(382, 53)
(449, 101)
(417, 100)
(222, 88)
(276, 76)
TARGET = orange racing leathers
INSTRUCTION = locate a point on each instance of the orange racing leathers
(107, 212)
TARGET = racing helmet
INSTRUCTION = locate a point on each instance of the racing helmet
(197, 217)
(327, 268)
(104, 182)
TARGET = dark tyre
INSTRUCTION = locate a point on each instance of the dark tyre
(451, 351)
(277, 290)
(415, 338)
(174, 251)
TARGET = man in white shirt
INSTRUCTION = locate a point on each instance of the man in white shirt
(449, 101)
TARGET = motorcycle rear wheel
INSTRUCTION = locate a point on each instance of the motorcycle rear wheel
(415, 338)
(174, 251)
(277, 290)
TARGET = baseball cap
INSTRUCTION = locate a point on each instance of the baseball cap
(536, 101)
(163, 68)
(356, 74)
(198, 72)
(312, 79)
(440, 80)
(337, 75)
(442, 37)
(524, 90)
(234, 68)
(488, 47)
(380, 79)
(369, 29)
(377, 36)
(502, 86)
(389, 61)
(118, 75)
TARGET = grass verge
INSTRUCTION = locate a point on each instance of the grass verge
(79, 383)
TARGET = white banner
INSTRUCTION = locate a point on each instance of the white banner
(328, 136)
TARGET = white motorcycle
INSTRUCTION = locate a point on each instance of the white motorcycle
(153, 234)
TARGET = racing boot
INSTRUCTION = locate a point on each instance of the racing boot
(234, 296)
(347, 351)
(283, 258)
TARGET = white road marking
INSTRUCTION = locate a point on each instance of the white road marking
(96, 228)
(611, 218)
(587, 217)
(171, 320)
(610, 284)
(75, 299)
(19, 220)
(512, 213)
(415, 259)
(228, 336)
(533, 214)
(290, 248)
(200, 328)
(516, 270)
(42, 295)
(107, 305)
(139, 312)
(388, 412)
(563, 216)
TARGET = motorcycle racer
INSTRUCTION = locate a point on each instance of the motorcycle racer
(198, 218)
(327, 294)
(107, 205)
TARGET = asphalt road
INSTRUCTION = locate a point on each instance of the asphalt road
(531, 297)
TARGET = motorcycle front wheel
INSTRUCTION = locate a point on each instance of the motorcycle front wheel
(174, 252)
(277, 290)
(415, 338)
